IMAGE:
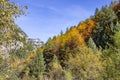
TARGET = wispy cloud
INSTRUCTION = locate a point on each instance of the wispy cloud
(48, 17)
(77, 11)
(70, 10)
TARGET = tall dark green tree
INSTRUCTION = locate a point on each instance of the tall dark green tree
(37, 66)
(106, 26)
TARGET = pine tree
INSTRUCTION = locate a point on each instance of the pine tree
(37, 67)
(92, 45)
(96, 11)
(105, 24)
(111, 57)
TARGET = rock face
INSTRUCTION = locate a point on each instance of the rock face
(36, 42)
(13, 39)
(6, 49)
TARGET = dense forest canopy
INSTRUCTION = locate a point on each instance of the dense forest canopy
(88, 51)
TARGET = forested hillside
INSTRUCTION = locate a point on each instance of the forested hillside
(88, 51)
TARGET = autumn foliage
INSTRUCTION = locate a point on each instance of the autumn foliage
(88, 51)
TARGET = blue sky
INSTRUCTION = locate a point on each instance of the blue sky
(47, 18)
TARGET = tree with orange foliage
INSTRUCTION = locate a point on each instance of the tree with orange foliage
(85, 28)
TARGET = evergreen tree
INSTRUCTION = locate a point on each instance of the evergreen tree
(111, 58)
(37, 67)
(105, 24)
(61, 33)
(92, 45)
(96, 11)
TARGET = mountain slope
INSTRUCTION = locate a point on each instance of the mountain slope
(88, 51)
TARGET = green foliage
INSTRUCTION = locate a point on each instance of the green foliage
(92, 45)
(86, 65)
(48, 53)
(96, 11)
(111, 57)
(117, 39)
(9, 11)
(10, 34)
(68, 75)
(73, 55)
(6, 72)
(56, 72)
(23, 52)
(112, 62)
(105, 27)
(37, 66)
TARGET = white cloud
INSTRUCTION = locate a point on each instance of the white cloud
(77, 11)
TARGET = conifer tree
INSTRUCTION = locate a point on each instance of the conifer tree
(37, 67)
(105, 24)
(92, 45)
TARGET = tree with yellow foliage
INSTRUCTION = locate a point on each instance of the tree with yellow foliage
(85, 28)
(86, 65)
